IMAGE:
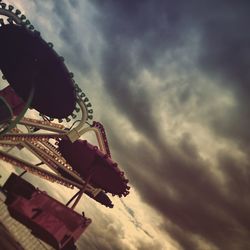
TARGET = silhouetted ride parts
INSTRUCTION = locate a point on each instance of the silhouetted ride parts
(88, 160)
(28, 61)
(38, 78)
(43, 68)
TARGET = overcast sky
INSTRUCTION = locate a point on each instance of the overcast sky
(170, 82)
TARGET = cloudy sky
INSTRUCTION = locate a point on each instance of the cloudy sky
(170, 82)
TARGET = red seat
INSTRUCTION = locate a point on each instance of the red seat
(14, 101)
(50, 220)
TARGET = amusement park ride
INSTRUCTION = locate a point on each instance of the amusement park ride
(38, 79)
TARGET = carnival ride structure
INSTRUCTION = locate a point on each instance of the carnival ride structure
(38, 79)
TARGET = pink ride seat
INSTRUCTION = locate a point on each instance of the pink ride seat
(14, 101)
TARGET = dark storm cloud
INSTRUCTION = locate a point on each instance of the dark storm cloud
(226, 53)
(74, 50)
(179, 183)
(135, 38)
(194, 203)
(74, 3)
(139, 33)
